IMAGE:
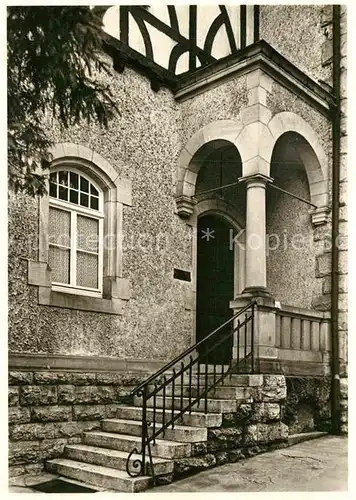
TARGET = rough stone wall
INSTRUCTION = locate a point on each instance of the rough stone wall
(307, 407)
(318, 294)
(143, 144)
(255, 428)
(291, 254)
(223, 102)
(48, 410)
(344, 398)
(292, 28)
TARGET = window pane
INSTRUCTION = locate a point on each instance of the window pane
(53, 177)
(73, 196)
(93, 190)
(84, 200)
(87, 233)
(63, 193)
(63, 178)
(74, 180)
(53, 190)
(58, 260)
(87, 270)
(59, 227)
(94, 203)
(84, 184)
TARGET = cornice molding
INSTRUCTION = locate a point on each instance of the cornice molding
(257, 56)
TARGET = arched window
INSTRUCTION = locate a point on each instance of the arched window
(79, 262)
(75, 232)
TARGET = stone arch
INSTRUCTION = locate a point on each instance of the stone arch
(89, 160)
(310, 151)
(222, 208)
(216, 135)
(254, 143)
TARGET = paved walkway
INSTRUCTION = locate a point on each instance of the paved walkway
(317, 465)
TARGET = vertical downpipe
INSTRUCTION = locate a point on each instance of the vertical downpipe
(253, 339)
(335, 364)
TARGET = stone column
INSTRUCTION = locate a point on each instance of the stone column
(255, 271)
(266, 352)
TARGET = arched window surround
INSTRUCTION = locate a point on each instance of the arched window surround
(116, 193)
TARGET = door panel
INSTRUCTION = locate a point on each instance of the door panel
(215, 281)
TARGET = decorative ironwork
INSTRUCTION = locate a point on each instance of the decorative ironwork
(184, 383)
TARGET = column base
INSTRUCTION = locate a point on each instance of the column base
(265, 350)
(260, 295)
(268, 365)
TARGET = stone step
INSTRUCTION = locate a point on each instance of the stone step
(234, 380)
(163, 448)
(195, 419)
(213, 405)
(98, 475)
(182, 433)
(305, 436)
(210, 368)
(220, 392)
(113, 459)
(94, 487)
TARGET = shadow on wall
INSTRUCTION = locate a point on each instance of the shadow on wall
(307, 406)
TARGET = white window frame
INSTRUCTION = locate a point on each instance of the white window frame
(75, 209)
(116, 195)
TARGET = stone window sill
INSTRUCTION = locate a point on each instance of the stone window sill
(117, 291)
(49, 297)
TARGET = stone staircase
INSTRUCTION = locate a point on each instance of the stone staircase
(100, 459)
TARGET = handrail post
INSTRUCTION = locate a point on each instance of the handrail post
(144, 428)
(252, 338)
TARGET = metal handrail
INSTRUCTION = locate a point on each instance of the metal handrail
(162, 379)
(190, 349)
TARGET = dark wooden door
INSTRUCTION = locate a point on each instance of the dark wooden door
(215, 282)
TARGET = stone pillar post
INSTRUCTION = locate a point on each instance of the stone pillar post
(265, 350)
(255, 271)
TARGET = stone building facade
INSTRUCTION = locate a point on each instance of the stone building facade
(254, 118)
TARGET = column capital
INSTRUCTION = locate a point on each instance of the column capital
(256, 179)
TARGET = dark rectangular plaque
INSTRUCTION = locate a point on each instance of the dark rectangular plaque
(179, 274)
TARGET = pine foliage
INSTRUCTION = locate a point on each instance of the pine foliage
(54, 58)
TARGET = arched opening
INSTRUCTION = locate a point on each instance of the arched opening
(218, 168)
(218, 279)
(290, 253)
